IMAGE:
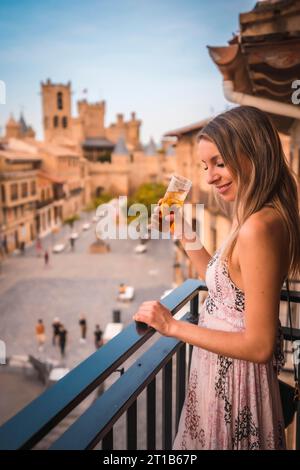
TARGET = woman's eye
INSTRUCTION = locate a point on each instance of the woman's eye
(221, 165)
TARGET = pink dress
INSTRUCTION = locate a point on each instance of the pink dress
(230, 403)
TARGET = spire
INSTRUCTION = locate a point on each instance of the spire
(120, 148)
(22, 123)
(12, 122)
(150, 149)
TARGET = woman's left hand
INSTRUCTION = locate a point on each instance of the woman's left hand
(157, 316)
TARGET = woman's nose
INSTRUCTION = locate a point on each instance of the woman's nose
(212, 176)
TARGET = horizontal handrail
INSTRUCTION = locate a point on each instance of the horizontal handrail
(98, 419)
(34, 421)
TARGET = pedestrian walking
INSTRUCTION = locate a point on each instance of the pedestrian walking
(55, 326)
(40, 334)
(98, 337)
(62, 339)
(83, 328)
(46, 258)
(38, 247)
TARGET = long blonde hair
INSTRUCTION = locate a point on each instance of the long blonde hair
(246, 136)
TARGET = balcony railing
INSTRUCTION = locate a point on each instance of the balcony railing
(36, 420)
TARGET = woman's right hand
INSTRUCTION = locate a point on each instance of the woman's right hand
(160, 221)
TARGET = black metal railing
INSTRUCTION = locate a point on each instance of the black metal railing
(96, 423)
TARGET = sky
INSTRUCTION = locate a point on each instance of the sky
(147, 56)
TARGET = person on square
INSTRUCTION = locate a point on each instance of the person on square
(55, 327)
(98, 337)
(62, 339)
(83, 328)
(40, 334)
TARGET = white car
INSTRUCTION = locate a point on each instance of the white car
(140, 248)
(127, 295)
(74, 235)
(86, 226)
(58, 248)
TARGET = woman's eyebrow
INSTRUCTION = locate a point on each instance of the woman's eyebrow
(212, 158)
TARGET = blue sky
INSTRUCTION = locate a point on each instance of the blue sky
(147, 56)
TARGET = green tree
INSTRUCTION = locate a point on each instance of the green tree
(70, 220)
(147, 194)
(97, 201)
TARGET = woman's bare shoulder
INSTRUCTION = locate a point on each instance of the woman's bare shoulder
(265, 224)
(263, 238)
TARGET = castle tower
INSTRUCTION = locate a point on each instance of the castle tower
(134, 131)
(92, 118)
(12, 128)
(120, 155)
(56, 100)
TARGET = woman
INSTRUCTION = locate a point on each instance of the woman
(233, 399)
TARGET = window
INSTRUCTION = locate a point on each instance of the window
(3, 193)
(33, 188)
(59, 100)
(65, 121)
(43, 195)
(24, 189)
(55, 121)
(14, 191)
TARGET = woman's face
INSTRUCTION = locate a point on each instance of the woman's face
(217, 174)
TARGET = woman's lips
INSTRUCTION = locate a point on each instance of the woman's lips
(223, 188)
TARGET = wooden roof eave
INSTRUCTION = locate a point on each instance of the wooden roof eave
(232, 65)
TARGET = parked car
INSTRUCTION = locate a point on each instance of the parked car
(127, 295)
(58, 248)
(140, 248)
(74, 235)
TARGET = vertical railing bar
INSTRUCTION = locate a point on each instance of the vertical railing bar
(180, 382)
(108, 440)
(132, 426)
(194, 306)
(298, 418)
(167, 406)
(151, 415)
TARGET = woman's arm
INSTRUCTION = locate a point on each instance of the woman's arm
(259, 249)
(198, 255)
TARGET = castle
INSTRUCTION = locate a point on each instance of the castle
(44, 182)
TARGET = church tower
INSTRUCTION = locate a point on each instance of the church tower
(56, 101)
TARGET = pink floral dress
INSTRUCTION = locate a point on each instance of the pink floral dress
(230, 403)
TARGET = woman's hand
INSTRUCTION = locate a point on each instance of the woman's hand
(162, 219)
(157, 316)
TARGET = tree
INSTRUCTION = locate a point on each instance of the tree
(147, 194)
(70, 220)
(97, 201)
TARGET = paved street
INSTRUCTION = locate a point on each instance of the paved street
(74, 283)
